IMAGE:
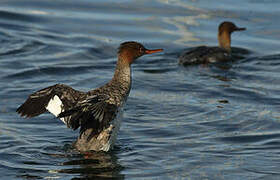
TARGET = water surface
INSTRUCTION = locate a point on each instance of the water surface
(199, 122)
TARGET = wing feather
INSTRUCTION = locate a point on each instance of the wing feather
(95, 112)
(37, 102)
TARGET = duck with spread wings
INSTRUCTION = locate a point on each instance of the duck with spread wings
(97, 112)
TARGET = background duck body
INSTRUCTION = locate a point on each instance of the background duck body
(205, 54)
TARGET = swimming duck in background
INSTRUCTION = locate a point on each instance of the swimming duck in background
(204, 54)
(96, 112)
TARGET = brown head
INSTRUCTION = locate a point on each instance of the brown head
(130, 51)
(224, 34)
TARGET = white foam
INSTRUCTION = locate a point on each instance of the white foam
(55, 106)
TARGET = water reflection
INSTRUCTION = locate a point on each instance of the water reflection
(93, 165)
(78, 166)
(201, 122)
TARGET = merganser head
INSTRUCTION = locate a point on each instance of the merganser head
(225, 30)
(130, 51)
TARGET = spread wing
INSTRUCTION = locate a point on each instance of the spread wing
(95, 112)
(55, 99)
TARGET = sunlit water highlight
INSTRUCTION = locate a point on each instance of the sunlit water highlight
(198, 122)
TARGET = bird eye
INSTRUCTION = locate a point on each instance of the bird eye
(141, 49)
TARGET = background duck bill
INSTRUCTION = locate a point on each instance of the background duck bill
(240, 29)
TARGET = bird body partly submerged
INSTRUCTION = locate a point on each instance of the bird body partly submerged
(98, 112)
(204, 54)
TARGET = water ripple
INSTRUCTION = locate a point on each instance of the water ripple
(216, 121)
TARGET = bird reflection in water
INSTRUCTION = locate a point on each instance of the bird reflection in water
(92, 165)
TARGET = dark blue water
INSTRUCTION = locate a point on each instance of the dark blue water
(198, 122)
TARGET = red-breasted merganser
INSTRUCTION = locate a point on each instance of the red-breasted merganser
(96, 112)
(204, 54)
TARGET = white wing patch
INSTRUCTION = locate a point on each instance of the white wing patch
(55, 106)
